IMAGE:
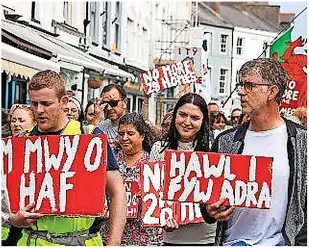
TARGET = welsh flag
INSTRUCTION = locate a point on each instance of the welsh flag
(282, 49)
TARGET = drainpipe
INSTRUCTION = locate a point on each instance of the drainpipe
(13, 89)
(86, 22)
(83, 88)
(7, 90)
(232, 60)
(231, 91)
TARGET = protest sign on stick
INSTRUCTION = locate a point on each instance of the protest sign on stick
(62, 174)
(155, 210)
(207, 177)
(167, 76)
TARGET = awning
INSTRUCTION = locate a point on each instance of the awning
(16, 61)
(66, 55)
(117, 71)
(62, 51)
(113, 69)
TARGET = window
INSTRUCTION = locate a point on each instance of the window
(265, 46)
(139, 104)
(94, 22)
(239, 46)
(139, 47)
(223, 44)
(145, 45)
(222, 80)
(35, 12)
(136, 40)
(117, 23)
(67, 13)
(104, 22)
(129, 103)
(130, 35)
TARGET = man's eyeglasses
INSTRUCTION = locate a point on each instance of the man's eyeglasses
(112, 103)
(248, 86)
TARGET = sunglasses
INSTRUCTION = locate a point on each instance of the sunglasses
(112, 103)
(234, 117)
(216, 113)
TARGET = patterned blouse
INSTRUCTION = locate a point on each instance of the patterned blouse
(134, 233)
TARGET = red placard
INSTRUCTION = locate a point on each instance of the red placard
(206, 177)
(62, 174)
(167, 76)
(155, 210)
(132, 190)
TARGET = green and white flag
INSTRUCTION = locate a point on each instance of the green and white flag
(280, 45)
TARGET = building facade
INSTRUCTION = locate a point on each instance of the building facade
(114, 42)
(237, 34)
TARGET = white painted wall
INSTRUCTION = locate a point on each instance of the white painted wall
(137, 35)
(253, 47)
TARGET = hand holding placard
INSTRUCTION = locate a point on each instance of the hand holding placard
(218, 211)
(25, 217)
(171, 225)
(167, 76)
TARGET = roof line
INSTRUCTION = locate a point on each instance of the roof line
(214, 13)
(219, 26)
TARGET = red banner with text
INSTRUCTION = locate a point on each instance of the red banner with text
(167, 76)
(207, 177)
(62, 174)
(155, 210)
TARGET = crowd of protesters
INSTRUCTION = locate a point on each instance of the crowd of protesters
(191, 125)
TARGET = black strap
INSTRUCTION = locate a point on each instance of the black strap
(14, 236)
(96, 225)
(81, 127)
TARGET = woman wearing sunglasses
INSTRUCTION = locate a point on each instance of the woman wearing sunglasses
(189, 130)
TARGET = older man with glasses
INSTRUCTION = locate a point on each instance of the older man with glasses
(113, 102)
(262, 84)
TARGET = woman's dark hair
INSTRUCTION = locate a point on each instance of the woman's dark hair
(202, 137)
(141, 126)
(90, 102)
(216, 115)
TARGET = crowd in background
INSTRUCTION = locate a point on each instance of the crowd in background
(190, 125)
(20, 118)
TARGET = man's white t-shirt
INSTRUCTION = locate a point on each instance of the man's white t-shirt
(263, 226)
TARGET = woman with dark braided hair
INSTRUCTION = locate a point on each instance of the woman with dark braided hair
(135, 140)
(189, 130)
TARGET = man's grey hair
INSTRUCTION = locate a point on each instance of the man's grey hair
(270, 71)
